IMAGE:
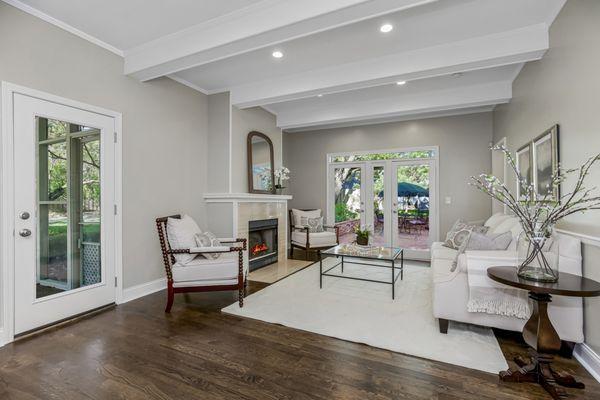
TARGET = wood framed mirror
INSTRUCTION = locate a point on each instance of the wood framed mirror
(261, 166)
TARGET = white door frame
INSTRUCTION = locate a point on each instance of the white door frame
(435, 188)
(502, 142)
(7, 205)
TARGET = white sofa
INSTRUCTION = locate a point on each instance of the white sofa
(451, 290)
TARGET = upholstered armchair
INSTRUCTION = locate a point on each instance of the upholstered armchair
(188, 270)
(301, 237)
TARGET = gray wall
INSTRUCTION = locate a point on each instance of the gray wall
(463, 142)
(564, 88)
(164, 127)
(243, 122)
(219, 127)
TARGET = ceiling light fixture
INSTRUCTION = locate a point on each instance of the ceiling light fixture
(277, 54)
(400, 83)
(319, 95)
(385, 28)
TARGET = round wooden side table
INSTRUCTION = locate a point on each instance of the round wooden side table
(539, 333)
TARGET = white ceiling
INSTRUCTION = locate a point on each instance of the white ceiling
(125, 24)
(331, 47)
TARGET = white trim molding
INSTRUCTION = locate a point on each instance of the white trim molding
(589, 359)
(245, 197)
(143, 289)
(585, 239)
(62, 25)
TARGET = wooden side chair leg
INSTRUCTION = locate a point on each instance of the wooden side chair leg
(170, 297)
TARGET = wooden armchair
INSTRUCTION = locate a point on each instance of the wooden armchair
(202, 274)
(300, 236)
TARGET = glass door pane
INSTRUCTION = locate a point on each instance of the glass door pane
(378, 201)
(68, 206)
(348, 201)
(412, 205)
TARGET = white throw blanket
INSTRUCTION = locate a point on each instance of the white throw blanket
(487, 296)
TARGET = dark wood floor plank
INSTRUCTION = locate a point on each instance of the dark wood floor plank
(136, 351)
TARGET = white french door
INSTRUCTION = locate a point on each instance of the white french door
(395, 199)
(64, 192)
(413, 223)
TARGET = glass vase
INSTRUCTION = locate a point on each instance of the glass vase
(538, 256)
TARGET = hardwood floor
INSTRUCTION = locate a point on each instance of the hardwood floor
(136, 351)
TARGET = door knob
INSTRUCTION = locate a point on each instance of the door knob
(24, 215)
(25, 232)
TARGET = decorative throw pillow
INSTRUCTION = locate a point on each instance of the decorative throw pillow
(180, 232)
(460, 232)
(208, 239)
(478, 241)
(314, 224)
(496, 241)
(298, 214)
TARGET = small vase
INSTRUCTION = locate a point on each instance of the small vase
(538, 256)
(362, 240)
(279, 190)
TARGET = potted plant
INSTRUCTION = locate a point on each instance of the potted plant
(362, 235)
(537, 257)
(282, 174)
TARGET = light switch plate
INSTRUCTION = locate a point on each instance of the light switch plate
(448, 200)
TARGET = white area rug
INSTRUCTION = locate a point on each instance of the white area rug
(364, 312)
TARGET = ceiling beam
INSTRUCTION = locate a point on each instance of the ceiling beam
(511, 47)
(396, 118)
(487, 94)
(263, 24)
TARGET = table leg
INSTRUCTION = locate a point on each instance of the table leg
(544, 341)
(393, 281)
(342, 264)
(321, 274)
(402, 265)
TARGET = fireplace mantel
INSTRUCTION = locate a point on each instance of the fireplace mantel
(245, 197)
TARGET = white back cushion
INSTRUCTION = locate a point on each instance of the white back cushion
(505, 225)
(181, 233)
(297, 214)
(495, 220)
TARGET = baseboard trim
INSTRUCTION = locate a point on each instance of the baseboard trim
(589, 359)
(144, 289)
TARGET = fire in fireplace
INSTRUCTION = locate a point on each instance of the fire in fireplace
(262, 243)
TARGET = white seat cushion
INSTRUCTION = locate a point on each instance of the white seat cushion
(203, 269)
(317, 239)
(181, 233)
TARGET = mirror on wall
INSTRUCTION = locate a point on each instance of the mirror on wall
(260, 163)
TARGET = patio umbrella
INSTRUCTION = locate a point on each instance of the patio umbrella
(406, 189)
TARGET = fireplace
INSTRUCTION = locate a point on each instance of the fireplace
(262, 243)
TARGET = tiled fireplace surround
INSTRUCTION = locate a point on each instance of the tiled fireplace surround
(246, 207)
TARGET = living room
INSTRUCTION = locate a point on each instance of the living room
(273, 199)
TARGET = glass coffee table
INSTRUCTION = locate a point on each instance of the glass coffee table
(373, 256)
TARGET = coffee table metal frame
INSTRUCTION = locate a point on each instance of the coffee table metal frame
(398, 252)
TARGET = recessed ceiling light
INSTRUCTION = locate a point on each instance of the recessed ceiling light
(400, 83)
(385, 28)
(277, 54)
(319, 95)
